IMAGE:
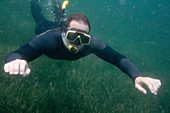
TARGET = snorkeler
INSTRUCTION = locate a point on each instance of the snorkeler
(73, 42)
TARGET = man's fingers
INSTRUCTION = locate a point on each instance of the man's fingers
(153, 85)
(154, 89)
(23, 67)
(16, 68)
(11, 67)
(158, 83)
(6, 69)
(140, 88)
(27, 72)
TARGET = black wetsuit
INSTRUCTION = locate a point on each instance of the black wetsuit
(51, 44)
(43, 24)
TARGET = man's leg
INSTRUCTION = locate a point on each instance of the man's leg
(37, 11)
(42, 24)
(58, 13)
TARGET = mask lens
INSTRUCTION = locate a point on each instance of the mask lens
(78, 38)
(71, 36)
(85, 39)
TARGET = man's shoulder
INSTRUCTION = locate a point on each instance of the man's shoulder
(50, 33)
(97, 44)
(46, 39)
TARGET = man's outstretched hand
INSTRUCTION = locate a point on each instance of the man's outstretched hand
(152, 84)
(17, 67)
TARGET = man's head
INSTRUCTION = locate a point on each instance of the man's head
(78, 21)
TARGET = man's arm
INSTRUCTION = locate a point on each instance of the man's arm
(113, 57)
(17, 61)
(25, 52)
(120, 61)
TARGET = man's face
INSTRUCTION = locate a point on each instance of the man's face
(77, 40)
(79, 25)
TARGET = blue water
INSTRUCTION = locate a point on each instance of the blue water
(139, 29)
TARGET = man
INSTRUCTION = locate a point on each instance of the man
(73, 42)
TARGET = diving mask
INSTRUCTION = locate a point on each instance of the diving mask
(77, 37)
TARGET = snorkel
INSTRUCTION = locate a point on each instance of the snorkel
(63, 18)
(74, 39)
(71, 48)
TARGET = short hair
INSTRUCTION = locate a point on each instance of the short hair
(78, 17)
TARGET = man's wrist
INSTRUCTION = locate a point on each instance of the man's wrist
(139, 77)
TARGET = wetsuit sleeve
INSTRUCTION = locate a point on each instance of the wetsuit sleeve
(44, 42)
(124, 64)
(26, 52)
(129, 68)
(111, 56)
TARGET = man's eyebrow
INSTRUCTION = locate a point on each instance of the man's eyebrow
(74, 29)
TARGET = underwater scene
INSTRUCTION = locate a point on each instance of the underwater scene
(138, 29)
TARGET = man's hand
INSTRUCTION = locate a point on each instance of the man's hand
(17, 67)
(152, 84)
